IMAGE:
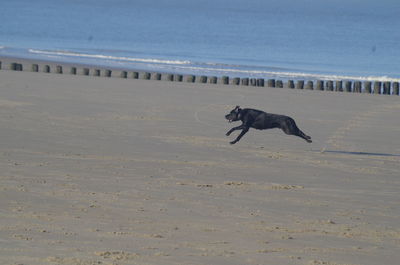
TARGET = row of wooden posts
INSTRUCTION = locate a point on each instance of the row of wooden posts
(370, 87)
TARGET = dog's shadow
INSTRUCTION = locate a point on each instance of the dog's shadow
(359, 153)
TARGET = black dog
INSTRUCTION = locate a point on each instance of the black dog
(261, 120)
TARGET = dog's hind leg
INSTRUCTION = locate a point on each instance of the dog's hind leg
(291, 128)
(304, 136)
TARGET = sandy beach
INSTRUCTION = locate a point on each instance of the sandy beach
(98, 170)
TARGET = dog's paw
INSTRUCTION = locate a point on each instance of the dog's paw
(233, 142)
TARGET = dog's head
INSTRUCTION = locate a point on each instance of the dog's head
(234, 115)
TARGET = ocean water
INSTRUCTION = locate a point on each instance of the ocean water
(287, 39)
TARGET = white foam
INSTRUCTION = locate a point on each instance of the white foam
(108, 57)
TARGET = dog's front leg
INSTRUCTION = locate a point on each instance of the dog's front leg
(244, 131)
(234, 129)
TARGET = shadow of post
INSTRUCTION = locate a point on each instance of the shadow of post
(359, 153)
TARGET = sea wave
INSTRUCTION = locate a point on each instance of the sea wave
(107, 57)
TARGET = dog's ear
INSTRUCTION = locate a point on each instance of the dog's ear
(237, 108)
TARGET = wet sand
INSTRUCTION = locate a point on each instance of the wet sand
(119, 171)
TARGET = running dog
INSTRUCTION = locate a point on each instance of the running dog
(260, 120)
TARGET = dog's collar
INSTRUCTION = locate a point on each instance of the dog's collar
(239, 113)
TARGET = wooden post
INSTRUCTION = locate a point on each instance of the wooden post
(135, 75)
(310, 85)
(16, 67)
(339, 86)
(329, 85)
(320, 85)
(357, 87)
(213, 80)
(347, 86)
(59, 69)
(253, 82)
(367, 87)
(225, 80)
(291, 84)
(156, 76)
(35, 68)
(47, 69)
(271, 82)
(377, 87)
(170, 77)
(190, 78)
(107, 73)
(178, 78)
(260, 82)
(279, 83)
(386, 88)
(145, 75)
(203, 79)
(97, 72)
(396, 89)
(245, 81)
(124, 74)
(236, 81)
(300, 84)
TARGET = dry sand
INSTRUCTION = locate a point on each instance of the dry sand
(117, 171)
